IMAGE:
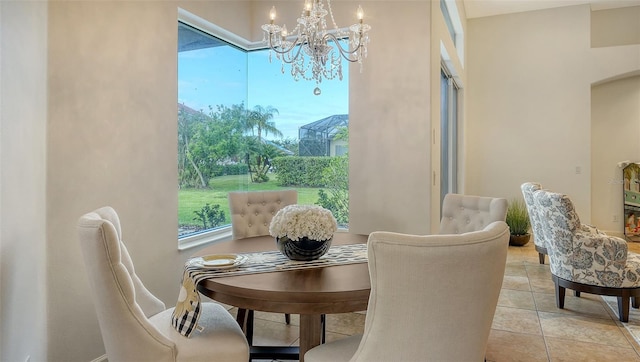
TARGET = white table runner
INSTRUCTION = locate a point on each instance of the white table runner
(271, 261)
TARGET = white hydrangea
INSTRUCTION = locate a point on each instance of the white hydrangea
(298, 221)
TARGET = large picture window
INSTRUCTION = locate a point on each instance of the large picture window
(243, 125)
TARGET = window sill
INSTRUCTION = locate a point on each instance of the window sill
(211, 237)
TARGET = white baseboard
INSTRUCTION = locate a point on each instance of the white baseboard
(102, 358)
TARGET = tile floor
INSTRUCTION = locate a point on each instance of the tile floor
(527, 325)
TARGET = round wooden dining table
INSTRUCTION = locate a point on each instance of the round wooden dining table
(308, 292)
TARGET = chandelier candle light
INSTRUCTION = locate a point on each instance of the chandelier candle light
(311, 39)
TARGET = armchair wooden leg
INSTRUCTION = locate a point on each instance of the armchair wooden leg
(560, 291)
(576, 293)
(635, 302)
(541, 258)
(623, 308)
(287, 318)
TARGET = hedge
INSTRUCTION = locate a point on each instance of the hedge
(231, 169)
(300, 171)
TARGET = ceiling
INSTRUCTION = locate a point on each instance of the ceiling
(481, 8)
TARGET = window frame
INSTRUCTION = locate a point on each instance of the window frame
(222, 233)
(453, 22)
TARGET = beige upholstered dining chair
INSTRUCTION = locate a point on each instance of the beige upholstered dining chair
(432, 298)
(251, 214)
(134, 323)
(465, 213)
(584, 259)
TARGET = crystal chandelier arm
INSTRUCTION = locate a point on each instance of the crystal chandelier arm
(286, 55)
(346, 53)
(292, 57)
(286, 50)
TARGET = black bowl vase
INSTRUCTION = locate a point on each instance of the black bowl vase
(303, 249)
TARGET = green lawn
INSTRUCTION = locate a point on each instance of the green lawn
(190, 200)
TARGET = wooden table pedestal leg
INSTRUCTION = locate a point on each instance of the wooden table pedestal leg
(310, 332)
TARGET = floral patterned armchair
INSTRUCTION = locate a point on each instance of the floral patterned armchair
(585, 260)
(528, 188)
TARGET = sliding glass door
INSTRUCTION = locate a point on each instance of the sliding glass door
(449, 135)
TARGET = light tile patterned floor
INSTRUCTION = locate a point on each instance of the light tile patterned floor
(527, 325)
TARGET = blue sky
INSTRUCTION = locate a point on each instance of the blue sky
(226, 75)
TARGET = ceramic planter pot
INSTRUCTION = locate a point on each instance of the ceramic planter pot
(519, 240)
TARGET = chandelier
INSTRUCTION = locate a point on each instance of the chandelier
(308, 49)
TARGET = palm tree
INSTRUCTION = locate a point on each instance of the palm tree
(258, 155)
(258, 152)
(260, 118)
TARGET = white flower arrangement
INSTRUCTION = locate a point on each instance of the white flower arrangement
(299, 221)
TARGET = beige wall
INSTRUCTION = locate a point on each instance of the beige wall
(23, 260)
(389, 123)
(112, 140)
(613, 27)
(615, 122)
(529, 101)
(615, 110)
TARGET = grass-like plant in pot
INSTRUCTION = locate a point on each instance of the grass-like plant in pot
(519, 223)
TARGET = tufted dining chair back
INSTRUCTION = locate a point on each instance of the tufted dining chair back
(122, 302)
(431, 277)
(251, 212)
(466, 213)
(134, 323)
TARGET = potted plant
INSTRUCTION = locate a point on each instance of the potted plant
(519, 223)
